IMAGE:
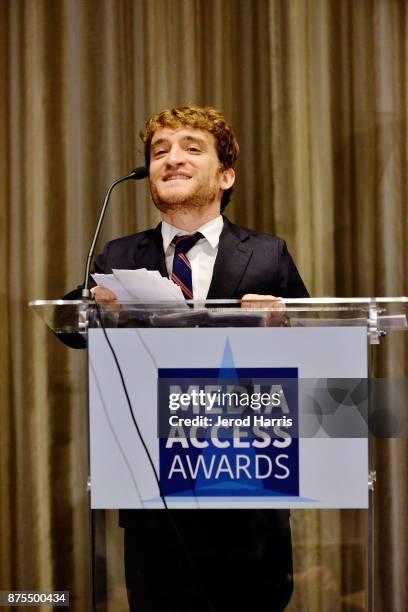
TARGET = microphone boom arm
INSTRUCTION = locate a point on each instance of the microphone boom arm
(137, 173)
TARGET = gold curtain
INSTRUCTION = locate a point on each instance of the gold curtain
(317, 92)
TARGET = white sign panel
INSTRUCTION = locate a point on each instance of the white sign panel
(231, 418)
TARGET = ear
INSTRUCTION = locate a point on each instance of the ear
(227, 178)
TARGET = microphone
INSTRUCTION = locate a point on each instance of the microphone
(138, 173)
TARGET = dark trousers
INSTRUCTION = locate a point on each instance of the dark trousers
(208, 560)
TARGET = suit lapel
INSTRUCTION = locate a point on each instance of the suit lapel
(232, 260)
(149, 253)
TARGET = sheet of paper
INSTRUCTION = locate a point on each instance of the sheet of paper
(109, 281)
(146, 285)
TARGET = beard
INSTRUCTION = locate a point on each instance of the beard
(203, 196)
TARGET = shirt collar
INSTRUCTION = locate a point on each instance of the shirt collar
(210, 230)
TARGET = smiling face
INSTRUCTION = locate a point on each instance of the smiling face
(185, 172)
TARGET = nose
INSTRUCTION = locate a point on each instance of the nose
(175, 156)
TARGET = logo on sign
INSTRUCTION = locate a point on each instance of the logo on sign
(228, 431)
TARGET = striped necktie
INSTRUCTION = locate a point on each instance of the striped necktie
(181, 273)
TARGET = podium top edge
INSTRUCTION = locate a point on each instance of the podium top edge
(310, 301)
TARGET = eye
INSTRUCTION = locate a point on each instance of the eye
(194, 149)
(159, 153)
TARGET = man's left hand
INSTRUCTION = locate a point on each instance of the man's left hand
(274, 305)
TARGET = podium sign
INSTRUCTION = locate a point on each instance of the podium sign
(231, 418)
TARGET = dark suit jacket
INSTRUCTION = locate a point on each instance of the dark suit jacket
(247, 262)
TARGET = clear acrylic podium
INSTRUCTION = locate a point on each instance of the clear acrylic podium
(338, 392)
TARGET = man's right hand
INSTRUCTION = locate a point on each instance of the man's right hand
(101, 294)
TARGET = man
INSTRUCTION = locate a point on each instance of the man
(191, 153)
(207, 559)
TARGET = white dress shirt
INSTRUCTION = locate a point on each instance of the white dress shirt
(201, 256)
